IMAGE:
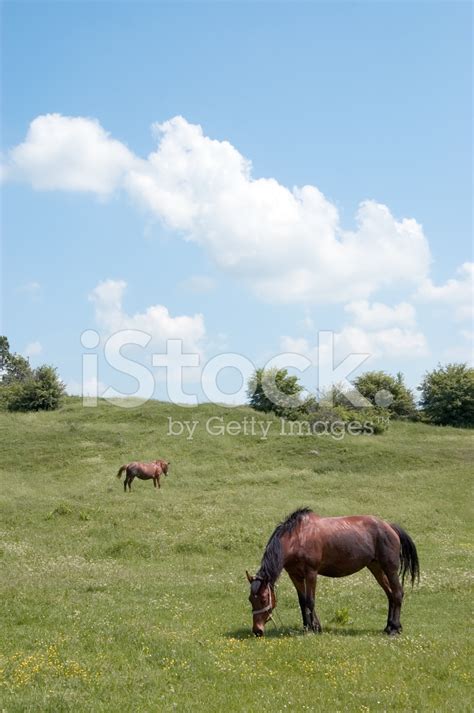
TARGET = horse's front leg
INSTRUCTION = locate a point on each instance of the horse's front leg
(305, 587)
(310, 588)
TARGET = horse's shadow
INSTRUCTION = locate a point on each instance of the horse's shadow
(341, 631)
(291, 632)
(282, 631)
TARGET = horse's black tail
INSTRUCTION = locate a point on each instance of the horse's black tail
(124, 467)
(408, 555)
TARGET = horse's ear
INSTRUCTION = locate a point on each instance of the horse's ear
(249, 577)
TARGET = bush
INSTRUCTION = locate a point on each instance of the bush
(13, 367)
(387, 392)
(447, 395)
(274, 390)
(328, 419)
(23, 388)
(42, 391)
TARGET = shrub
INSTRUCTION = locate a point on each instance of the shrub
(13, 367)
(447, 395)
(342, 616)
(23, 388)
(387, 392)
(43, 390)
(328, 419)
(274, 390)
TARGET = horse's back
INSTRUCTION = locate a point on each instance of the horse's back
(343, 545)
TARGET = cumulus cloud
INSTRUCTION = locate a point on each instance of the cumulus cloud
(378, 315)
(377, 330)
(456, 293)
(32, 349)
(32, 288)
(391, 342)
(155, 321)
(71, 154)
(464, 350)
(90, 387)
(287, 244)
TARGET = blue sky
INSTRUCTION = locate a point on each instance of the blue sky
(364, 101)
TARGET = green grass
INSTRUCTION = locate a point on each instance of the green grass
(138, 602)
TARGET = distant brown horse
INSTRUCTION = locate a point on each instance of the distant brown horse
(306, 545)
(144, 471)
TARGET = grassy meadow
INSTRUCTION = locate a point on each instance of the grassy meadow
(138, 602)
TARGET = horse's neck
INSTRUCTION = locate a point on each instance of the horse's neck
(272, 561)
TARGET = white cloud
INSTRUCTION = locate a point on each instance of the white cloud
(91, 387)
(456, 294)
(155, 321)
(32, 288)
(69, 153)
(307, 322)
(462, 352)
(199, 284)
(287, 244)
(391, 342)
(32, 349)
(378, 315)
(378, 331)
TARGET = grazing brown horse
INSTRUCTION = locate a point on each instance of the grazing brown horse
(144, 471)
(306, 545)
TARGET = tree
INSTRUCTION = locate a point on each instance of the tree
(13, 367)
(4, 352)
(23, 388)
(386, 391)
(447, 395)
(274, 390)
(43, 391)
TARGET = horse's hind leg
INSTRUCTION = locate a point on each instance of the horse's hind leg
(394, 625)
(382, 579)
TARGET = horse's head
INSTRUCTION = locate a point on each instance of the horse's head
(263, 602)
(164, 465)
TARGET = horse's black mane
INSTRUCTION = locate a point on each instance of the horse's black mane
(272, 560)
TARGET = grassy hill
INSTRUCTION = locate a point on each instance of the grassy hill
(138, 602)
